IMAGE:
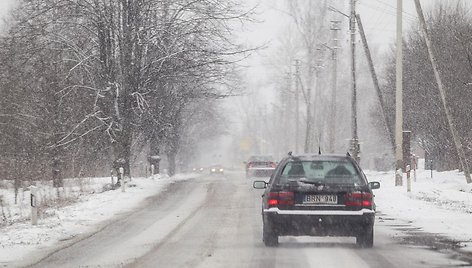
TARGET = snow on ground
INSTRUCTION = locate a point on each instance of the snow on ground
(440, 205)
(94, 206)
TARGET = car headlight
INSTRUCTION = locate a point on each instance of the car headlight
(213, 170)
(221, 170)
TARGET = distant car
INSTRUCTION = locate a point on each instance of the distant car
(260, 166)
(318, 195)
(199, 170)
(217, 170)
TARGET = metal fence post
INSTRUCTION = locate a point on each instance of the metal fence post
(415, 166)
(408, 178)
(34, 208)
(122, 179)
(431, 168)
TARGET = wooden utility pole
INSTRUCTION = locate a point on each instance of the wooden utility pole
(355, 149)
(315, 140)
(455, 135)
(375, 80)
(399, 99)
(297, 104)
(307, 146)
(332, 120)
(285, 118)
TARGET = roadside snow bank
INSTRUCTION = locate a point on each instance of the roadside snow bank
(441, 205)
(89, 210)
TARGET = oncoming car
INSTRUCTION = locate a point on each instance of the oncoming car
(217, 170)
(318, 195)
(199, 170)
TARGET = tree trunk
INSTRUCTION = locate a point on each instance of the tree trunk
(57, 180)
(56, 136)
(171, 156)
(122, 152)
(154, 152)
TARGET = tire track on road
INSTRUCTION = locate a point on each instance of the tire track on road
(80, 251)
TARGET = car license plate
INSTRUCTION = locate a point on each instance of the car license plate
(320, 199)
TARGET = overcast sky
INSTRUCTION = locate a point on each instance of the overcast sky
(5, 6)
(378, 17)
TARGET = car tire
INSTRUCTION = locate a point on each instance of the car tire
(366, 238)
(270, 238)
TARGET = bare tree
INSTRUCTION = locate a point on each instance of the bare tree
(103, 74)
(449, 28)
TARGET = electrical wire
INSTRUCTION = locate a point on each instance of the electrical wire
(389, 10)
(413, 16)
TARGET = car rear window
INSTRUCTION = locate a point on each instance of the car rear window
(324, 171)
(261, 158)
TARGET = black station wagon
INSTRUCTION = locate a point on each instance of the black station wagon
(318, 195)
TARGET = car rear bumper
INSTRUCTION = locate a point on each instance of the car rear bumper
(319, 222)
(260, 172)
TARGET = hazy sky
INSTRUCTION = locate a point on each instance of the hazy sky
(5, 5)
(378, 16)
(379, 19)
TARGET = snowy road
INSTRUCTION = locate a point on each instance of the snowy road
(215, 222)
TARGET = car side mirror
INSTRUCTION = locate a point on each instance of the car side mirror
(259, 184)
(374, 185)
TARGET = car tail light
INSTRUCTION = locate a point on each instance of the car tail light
(274, 165)
(358, 199)
(280, 199)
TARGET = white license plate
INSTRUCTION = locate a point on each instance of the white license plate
(320, 199)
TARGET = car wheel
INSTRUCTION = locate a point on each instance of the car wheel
(270, 238)
(366, 238)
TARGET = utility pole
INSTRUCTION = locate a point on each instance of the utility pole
(399, 99)
(332, 121)
(355, 149)
(455, 136)
(375, 80)
(297, 110)
(307, 146)
(315, 139)
(285, 118)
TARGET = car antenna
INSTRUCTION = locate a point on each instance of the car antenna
(319, 149)
(348, 154)
(290, 153)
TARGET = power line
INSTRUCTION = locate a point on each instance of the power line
(395, 8)
(388, 11)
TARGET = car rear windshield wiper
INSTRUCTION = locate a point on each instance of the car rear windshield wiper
(317, 183)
